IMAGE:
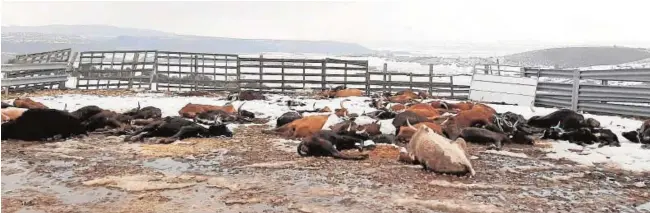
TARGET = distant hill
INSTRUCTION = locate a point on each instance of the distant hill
(571, 57)
(99, 37)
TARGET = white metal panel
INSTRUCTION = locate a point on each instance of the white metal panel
(507, 89)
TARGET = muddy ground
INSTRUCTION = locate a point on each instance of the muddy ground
(253, 172)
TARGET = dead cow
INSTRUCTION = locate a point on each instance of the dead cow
(328, 143)
(177, 128)
(144, 113)
(437, 153)
(42, 124)
(247, 95)
(191, 110)
(301, 128)
(406, 132)
(28, 104)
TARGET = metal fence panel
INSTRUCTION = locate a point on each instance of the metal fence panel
(507, 89)
(115, 69)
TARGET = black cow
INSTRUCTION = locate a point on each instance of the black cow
(411, 117)
(641, 135)
(286, 118)
(606, 137)
(178, 128)
(328, 143)
(107, 119)
(567, 119)
(84, 113)
(581, 136)
(144, 113)
(484, 136)
(247, 95)
(5, 105)
(42, 124)
(381, 114)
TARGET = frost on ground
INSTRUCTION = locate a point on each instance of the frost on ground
(253, 172)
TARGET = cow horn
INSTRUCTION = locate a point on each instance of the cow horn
(558, 125)
(382, 112)
(239, 108)
(409, 124)
(314, 106)
(444, 105)
(65, 108)
(350, 127)
(138, 106)
(341, 103)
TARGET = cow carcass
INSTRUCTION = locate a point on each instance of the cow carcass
(342, 112)
(107, 119)
(28, 104)
(190, 110)
(483, 136)
(287, 117)
(328, 143)
(144, 113)
(437, 153)
(641, 135)
(241, 116)
(5, 105)
(42, 124)
(247, 95)
(84, 113)
(177, 128)
(568, 120)
(301, 128)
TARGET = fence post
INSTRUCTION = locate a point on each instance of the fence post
(576, 90)
(384, 79)
(238, 77)
(430, 78)
(282, 70)
(390, 79)
(367, 78)
(136, 56)
(322, 76)
(154, 71)
(259, 86)
(345, 75)
(411, 81)
(196, 72)
(451, 86)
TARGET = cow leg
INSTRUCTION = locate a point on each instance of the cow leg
(184, 132)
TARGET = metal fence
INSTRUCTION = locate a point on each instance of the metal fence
(37, 70)
(182, 71)
(614, 91)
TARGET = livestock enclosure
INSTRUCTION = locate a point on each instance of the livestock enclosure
(183, 71)
(611, 91)
(38, 70)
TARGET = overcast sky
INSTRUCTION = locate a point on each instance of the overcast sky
(622, 22)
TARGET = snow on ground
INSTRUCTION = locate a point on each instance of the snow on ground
(629, 156)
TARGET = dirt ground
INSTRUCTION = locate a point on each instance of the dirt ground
(253, 172)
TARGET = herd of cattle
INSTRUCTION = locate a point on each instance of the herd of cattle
(433, 134)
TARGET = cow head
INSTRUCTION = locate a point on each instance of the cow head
(219, 129)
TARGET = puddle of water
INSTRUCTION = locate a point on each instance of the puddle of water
(168, 166)
(53, 184)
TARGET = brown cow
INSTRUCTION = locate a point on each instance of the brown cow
(28, 104)
(348, 93)
(191, 110)
(300, 128)
(424, 110)
(479, 115)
